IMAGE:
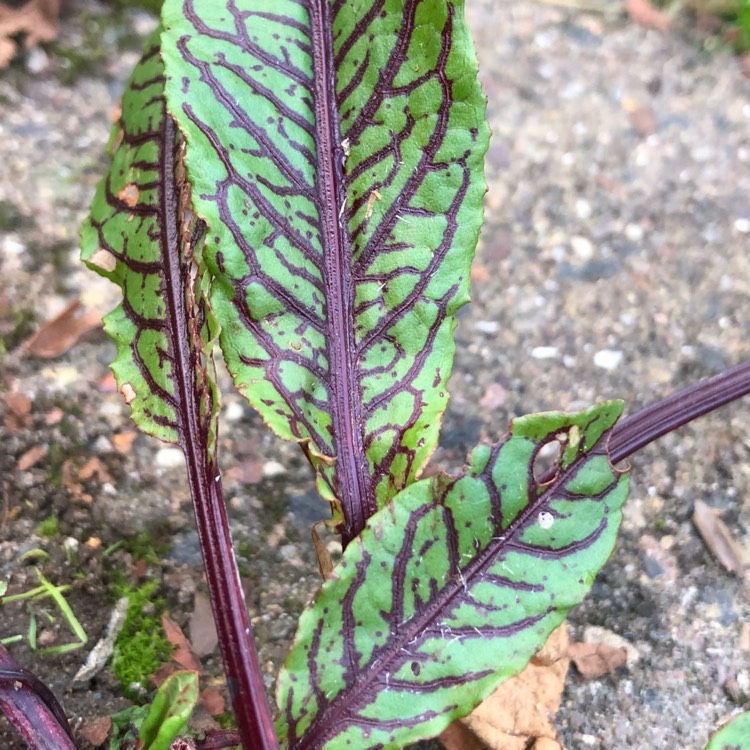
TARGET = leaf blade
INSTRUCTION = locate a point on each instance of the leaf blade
(337, 310)
(141, 235)
(734, 735)
(453, 563)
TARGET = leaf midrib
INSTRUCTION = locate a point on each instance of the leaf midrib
(354, 492)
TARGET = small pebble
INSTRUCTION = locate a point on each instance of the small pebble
(169, 458)
(545, 352)
(608, 359)
(487, 326)
(273, 469)
(234, 411)
(582, 247)
(742, 225)
(103, 445)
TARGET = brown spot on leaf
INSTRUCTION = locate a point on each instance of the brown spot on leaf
(129, 194)
(128, 393)
(103, 259)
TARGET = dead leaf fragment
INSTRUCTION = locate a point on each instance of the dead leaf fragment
(31, 457)
(213, 701)
(102, 651)
(183, 654)
(745, 637)
(96, 730)
(203, 636)
(36, 21)
(57, 336)
(19, 411)
(594, 660)
(718, 538)
(494, 397)
(123, 442)
(518, 715)
(646, 15)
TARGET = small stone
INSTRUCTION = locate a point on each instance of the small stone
(37, 61)
(742, 225)
(595, 634)
(583, 209)
(582, 247)
(545, 352)
(103, 445)
(608, 359)
(234, 411)
(487, 326)
(169, 458)
(634, 232)
(273, 469)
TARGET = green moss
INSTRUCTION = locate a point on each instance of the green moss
(48, 528)
(141, 648)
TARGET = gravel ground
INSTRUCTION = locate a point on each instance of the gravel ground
(612, 264)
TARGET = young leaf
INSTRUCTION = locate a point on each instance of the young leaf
(335, 151)
(143, 235)
(170, 710)
(734, 735)
(453, 587)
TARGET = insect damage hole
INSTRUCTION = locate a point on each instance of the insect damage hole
(545, 519)
(547, 458)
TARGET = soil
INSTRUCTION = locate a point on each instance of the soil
(613, 264)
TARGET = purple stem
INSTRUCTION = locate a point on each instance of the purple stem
(238, 652)
(657, 419)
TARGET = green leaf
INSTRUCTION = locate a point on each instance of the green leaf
(734, 735)
(170, 710)
(336, 152)
(453, 587)
(141, 235)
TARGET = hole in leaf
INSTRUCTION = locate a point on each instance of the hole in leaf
(546, 459)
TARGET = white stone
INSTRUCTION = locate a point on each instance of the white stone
(583, 208)
(169, 458)
(545, 352)
(634, 232)
(608, 359)
(487, 326)
(273, 469)
(582, 247)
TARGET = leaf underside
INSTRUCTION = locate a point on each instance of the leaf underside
(453, 587)
(141, 235)
(336, 154)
